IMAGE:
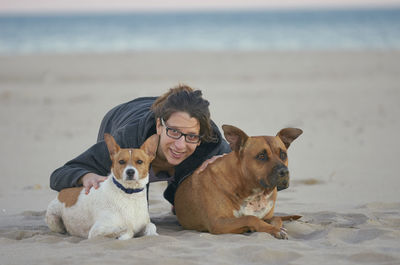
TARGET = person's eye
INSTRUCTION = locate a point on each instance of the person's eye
(174, 132)
(192, 137)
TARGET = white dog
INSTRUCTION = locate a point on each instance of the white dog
(118, 208)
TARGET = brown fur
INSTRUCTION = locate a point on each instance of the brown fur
(69, 196)
(211, 199)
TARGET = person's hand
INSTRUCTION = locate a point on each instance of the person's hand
(208, 161)
(91, 180)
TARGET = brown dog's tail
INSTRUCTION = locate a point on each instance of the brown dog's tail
(290, 217)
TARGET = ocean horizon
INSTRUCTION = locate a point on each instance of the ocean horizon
(262, 30)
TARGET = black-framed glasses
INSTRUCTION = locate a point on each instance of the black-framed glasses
(176, 134)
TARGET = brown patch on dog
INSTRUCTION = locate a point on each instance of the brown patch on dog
(69, 196)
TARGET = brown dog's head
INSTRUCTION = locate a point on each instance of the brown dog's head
(263, 159)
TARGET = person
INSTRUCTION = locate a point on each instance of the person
(187, 138)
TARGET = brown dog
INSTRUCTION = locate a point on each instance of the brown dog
(237, 192)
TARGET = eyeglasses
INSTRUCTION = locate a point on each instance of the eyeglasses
(176, 134)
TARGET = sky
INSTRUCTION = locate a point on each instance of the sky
(36, 6)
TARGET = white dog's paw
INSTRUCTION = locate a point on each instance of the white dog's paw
(125, 236)
(150, 230)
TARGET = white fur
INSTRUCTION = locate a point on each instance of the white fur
(107, 211)
(258, 204)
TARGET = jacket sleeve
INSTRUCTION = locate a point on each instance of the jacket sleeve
(95, 160)
(224, 148)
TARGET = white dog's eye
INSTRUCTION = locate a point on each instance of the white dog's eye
(139, 162)
(121, 162)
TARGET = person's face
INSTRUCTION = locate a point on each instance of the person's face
(176, 150)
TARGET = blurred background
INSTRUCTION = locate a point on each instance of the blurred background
(329, 67)
(28, 26)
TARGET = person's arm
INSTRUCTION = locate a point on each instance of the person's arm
(91, 180)
(222, 150)
(88, 169)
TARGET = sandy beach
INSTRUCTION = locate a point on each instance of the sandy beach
(344, 168)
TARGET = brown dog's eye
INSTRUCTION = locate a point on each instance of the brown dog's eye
(139, 162)
(121, 162)
(282, 155)
(263, 156)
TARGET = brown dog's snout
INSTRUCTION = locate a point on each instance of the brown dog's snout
(279, 177)
(282, 171)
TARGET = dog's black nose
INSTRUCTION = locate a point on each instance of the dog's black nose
(282, 172)
(130, 173)
(282, 175)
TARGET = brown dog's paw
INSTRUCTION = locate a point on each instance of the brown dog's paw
(290, 217)
(281, 234)
(295, 217)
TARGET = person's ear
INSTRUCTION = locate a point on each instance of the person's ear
(159, 126)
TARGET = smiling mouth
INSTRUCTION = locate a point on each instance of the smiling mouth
(176, 155)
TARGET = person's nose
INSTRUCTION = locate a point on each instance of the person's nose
(180, 143)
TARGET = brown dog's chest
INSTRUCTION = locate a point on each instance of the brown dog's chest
(258, 204)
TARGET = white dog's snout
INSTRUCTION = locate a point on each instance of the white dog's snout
(131, 173)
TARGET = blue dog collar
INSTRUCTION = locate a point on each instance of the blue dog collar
(128, 191)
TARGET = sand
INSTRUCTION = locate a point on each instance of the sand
(344, 168)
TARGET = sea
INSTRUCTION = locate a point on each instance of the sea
(244, 30)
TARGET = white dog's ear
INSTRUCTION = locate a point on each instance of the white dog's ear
(235, 137)
(112, 145)
(288, 135)
(150, 146)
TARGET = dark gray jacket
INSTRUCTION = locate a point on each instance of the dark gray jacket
(131, 124)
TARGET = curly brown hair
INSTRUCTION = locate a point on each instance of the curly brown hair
(186, 99)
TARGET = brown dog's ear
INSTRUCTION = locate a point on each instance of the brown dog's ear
(112, 145)
(288, 135)
(150, 146)
(235, 137)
